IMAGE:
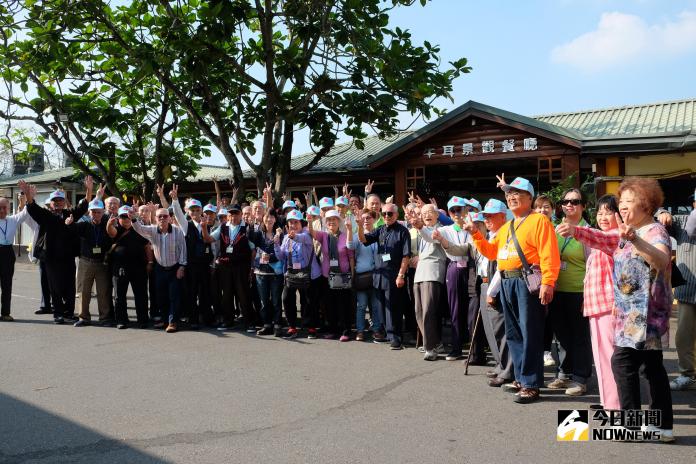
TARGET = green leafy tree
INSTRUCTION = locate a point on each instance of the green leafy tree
(250, 74)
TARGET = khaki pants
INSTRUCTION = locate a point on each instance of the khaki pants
(686, 339)
(88, 273)
(427, 296)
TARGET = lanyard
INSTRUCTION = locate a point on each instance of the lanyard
(565, 244)
(4, 231)
(512, 224)
(97, 235)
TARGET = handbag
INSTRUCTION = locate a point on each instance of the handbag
(530, 274)
(296, 278)
(337, 280)
(677, 276)
(363, 281)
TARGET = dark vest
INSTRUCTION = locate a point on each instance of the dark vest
(197, 251)
(241, 253)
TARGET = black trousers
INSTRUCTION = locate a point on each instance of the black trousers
(136, 276)
(316, 299)
(61, 280)
(290, 304)
(7, 265)
(392, 300)
(627, 364)
(45, 287)
(234, 283)
(152, 293)
(340, 311)
(198, 298)
(572, 331)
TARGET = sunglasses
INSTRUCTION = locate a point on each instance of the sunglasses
(387, 213)
(456, 209)
(124, 216)
(574, 202)
(163, 217)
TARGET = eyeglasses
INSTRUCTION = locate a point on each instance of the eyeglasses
(163, 217)
(387, 213)
(125, 216)
(574, 202)
(456, 209)
(512, 193)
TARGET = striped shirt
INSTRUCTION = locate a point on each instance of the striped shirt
(684, 231)
(169, 247)
(8, 226)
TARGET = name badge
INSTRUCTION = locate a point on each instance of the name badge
(503, 253)
(386, 257)
(461, 263)
(333, 263)
(564, 265)
(265, 258)
(230, 248)
(207, 250)
(96, 251)
(296, 266)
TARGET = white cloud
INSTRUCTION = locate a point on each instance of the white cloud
(622, 39)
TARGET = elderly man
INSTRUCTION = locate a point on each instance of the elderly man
(58, 246)
(94, 243)
(169, 246)
(112, 204)
(8, 227)
(389, 277)
(523, 293)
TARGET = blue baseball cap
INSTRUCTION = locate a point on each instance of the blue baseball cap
(56, 194)
(294, 215)
(124, 210)
(342, 201)
(494, 206)
(326, 202)
(476, 217)
(95, 204)
(473, 202)
(520, 183)
(222, 212)
(456, 201)
(313, 211)
(289, 204)
(193, 203)
(209, 207)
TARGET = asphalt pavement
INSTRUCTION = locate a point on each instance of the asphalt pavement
(93, 394)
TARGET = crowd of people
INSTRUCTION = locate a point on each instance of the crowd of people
(530, 279)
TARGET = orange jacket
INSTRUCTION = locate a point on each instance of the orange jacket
(537, 239)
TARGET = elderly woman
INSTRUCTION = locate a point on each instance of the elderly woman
(642, 296)
(430, 276)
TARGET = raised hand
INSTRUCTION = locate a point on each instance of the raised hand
(626, 232)
(160, 190)
(348, 223)
(501, 180)
(335, 191)
(565, 229)
(411, 197)
(174, 192)
(437, 235)
(345, 190)
(69, 220)
(419, 201)
(89, 183)
(469, 225)
(368, 186)
(112, 222)
(278, 234)
(284, 196)
(100, 191)
(433, 202)
(665, 218)
(390, 199)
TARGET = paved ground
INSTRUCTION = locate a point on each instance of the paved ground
(101, 395)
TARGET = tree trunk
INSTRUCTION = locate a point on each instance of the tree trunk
(282, 169)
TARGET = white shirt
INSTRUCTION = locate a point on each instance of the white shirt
(460, 237)
(8, 226)
(493, 283)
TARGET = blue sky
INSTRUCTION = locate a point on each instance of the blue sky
(544, 56)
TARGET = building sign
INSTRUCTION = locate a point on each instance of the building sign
(485, 147)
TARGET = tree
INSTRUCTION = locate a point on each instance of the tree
(109, 122)
(260, 70)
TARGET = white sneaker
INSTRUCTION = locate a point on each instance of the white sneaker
(421, 349)
(666, 436)
(683, 382)
(576, 389)
(430, 356)
(548, 359)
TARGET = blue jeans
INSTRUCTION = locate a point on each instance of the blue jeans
(362, 297)
(524, 329)
(168, 289)
(270, 289)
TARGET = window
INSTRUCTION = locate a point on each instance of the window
(550, 169)
(414, 177)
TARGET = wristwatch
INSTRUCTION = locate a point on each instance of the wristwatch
(401, 276)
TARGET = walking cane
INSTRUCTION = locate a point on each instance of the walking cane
(473, 341)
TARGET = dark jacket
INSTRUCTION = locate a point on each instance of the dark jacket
(55, 240)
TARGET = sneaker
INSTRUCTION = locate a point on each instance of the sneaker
(430, 356)
(359, 337)
(250, 329)
(559, 384)
(58, 320)
(421, 349)
(548, 359)
(527, 395)
(265, 331)
(43, 311)
(291, 333)
(440, 349)
(395, 345)
(344, 338)
(6, 318)
(121, 326)
(683, 382)
(171, 328)
(666, 436)
(379, 337)
(453, 356)
(312, 334)
(576, 389)
(82, 323)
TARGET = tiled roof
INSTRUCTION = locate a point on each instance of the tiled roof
(52, 175)
(633, 120)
